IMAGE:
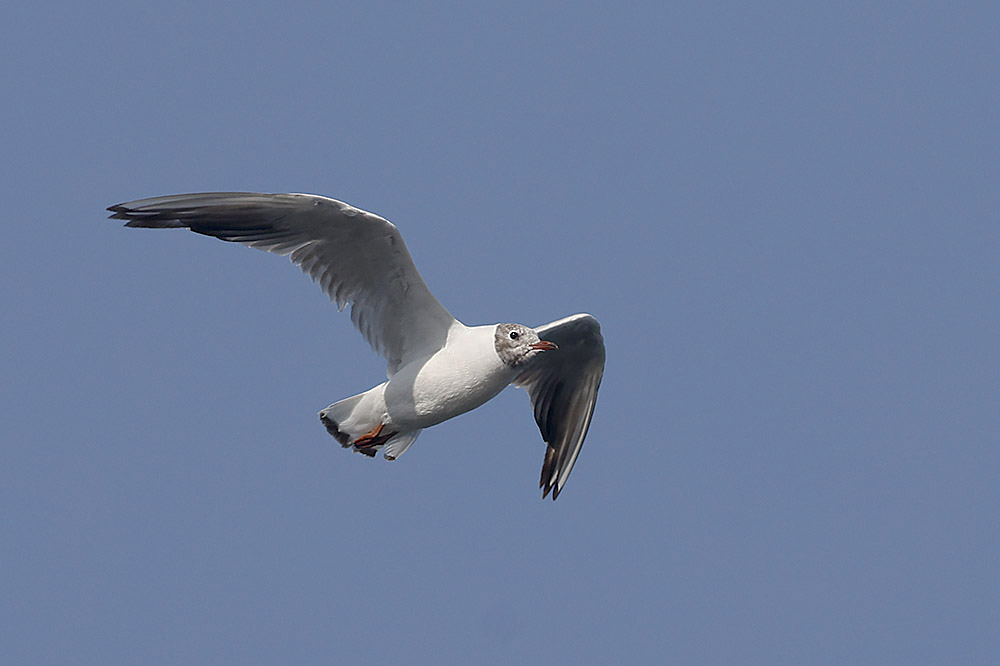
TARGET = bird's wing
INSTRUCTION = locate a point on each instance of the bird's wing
(563, 387)
(358, 258)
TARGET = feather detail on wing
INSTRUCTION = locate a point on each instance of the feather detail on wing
(562, 385)
(356, 257)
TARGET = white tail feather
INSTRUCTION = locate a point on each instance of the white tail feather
(397, 445)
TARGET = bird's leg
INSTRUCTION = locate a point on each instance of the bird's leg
(368, 437)
(367, 442)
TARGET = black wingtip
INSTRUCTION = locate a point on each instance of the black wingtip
(543, 482)
(144, 219)
(333, 428)
(123, 212)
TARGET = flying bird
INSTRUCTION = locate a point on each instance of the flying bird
(437, 367)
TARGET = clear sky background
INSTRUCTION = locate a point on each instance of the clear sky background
(785, 218)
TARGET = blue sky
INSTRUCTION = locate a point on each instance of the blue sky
(785, 218)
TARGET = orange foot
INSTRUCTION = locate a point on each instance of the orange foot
(367, 442)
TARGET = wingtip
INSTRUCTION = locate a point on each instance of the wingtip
(138, 219)
(545, 482)
(123, 212)
(554, 488)
(333, 428)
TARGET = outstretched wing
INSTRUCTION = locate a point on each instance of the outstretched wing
(358, 258)
(563, 387)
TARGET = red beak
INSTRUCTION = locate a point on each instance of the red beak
(544, 345)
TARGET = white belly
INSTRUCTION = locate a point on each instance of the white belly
(462, 376)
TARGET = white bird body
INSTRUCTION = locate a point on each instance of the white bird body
(437, 367)
(462, 375)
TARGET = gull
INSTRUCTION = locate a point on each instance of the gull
(437, 367)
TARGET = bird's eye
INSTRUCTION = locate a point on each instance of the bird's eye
(514, 335)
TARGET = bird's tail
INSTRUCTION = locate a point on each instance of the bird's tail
(350, 419)
(336, 416)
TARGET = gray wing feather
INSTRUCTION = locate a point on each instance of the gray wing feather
(356, 257)
(563, 388)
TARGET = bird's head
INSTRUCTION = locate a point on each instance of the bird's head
(516, 344)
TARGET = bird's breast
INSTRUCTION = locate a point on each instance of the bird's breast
(461, 376)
